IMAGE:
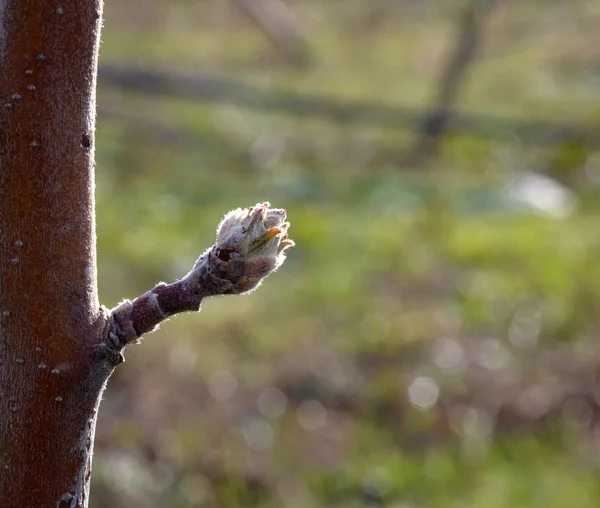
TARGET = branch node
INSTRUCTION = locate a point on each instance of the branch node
(123, 325)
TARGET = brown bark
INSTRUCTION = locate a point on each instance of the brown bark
(48, 296)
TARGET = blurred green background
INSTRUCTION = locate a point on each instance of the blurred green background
(432, 340)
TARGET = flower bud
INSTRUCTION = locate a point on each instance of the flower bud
(255, 236)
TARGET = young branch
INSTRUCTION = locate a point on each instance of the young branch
(250, 246)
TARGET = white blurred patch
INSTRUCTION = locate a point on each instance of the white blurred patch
(423, 392)
(493, 355)
(259, 435)
(449, 355)
(542, 194)
(272, 403)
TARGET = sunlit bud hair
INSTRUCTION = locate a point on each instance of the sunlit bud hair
(257, 236)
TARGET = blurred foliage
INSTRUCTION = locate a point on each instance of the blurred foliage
(432, 339)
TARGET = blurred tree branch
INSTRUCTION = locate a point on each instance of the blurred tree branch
(468, 43)
(221, 89)
(281, 25)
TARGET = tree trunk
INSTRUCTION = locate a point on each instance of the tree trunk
(58, 346)
(48, 297)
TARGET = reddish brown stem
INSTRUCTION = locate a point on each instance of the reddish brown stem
(130, 320)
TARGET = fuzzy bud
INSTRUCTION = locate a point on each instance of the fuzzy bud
(255, 237)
